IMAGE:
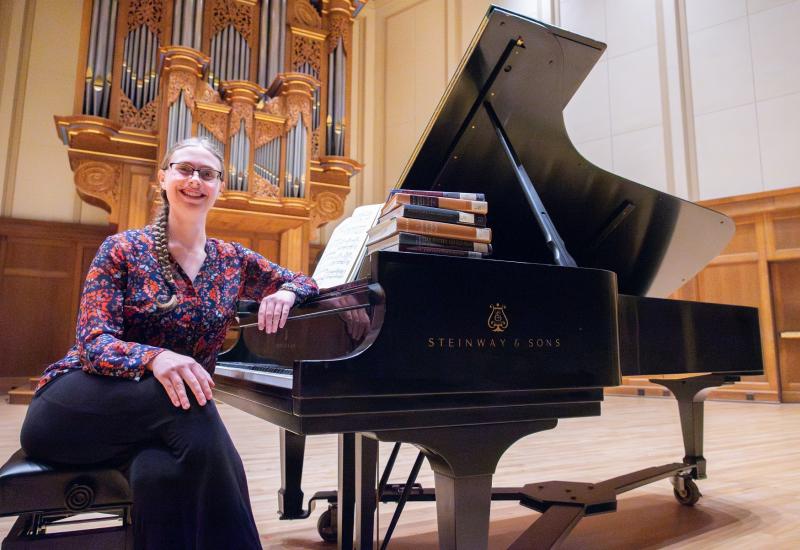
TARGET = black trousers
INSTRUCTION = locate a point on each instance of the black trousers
(189, 486)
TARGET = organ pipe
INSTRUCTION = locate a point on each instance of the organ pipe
(296, 160)
(239, 160)
(99, 62)
(230, 57)
(179, 121)
(139, 57)
(205, 133)
(272, 42)
(87, 94)
(336, 101)
(176, 21)
(187, 23)
(100, 57)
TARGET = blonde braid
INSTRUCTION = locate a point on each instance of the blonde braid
(162, 252)
(162, 219)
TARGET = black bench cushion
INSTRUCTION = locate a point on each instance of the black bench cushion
(28, 485)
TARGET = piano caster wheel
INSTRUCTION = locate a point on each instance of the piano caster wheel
(690, 493)
(326, 524)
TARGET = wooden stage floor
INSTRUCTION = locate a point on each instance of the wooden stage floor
(751, 497)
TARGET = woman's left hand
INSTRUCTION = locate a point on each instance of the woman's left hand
(274, 311)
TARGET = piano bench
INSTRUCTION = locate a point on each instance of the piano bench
(64, 508)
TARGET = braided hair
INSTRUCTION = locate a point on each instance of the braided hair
(161, 220)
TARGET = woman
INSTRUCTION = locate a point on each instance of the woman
(135, 389)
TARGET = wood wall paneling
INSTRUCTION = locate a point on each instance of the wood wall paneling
(42, 268)
(785, 279)
(268, 245)
(730, 283)
(786, 231)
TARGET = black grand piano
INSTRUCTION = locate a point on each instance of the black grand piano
(462, 357)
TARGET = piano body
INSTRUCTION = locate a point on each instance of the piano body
(463, 357)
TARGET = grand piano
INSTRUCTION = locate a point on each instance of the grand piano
(463, 357)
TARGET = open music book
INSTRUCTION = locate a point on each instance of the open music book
(346, 248)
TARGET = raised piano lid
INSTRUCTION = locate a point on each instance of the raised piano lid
(652, 240)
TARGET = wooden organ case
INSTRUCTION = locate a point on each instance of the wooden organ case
(268, 81)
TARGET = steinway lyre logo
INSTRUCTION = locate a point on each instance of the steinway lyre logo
(498, 321)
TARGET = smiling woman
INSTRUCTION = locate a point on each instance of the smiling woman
(193, 197)
(154, 313)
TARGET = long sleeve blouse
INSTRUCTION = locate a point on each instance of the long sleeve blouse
(120, 329)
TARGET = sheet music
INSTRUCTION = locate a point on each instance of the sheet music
(346, 247)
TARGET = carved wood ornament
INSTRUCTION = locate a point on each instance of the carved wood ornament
(181, 81)
(146, 12)
(144, 119)
(214, 122)
(306, 50)
(338, 27)
(98, 183)
(327, 206)
(263, 188)
(207, 94)
(241, 111)
(305, 14)
(266, 132)
(296, 104)
(225, 12)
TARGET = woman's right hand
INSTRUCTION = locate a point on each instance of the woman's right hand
(173, 369)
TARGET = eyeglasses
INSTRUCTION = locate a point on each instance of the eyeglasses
(187, 171)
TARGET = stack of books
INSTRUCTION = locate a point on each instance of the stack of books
(432, 222)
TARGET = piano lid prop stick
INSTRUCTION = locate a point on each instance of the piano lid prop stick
(551, 236)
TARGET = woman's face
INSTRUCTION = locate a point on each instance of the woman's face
(191, 180)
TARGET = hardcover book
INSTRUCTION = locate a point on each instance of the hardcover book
(464, 205)
(410, 239)
(430, 228)
(432, 250)
(443, 215)
(447, 194)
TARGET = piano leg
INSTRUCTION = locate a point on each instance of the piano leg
(357, 497)
(463, 459)
(290, 495)
(462, 510)
(346, 491)
(691, 394)
(366, 468)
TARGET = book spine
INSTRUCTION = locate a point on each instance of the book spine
(410, 239)
(437, 250)
(446, 230)
(442, 215)
(463, 205)
(447, 194)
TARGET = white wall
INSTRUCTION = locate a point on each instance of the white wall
(699, 98)
(616, 118)
(745, 73)
(38, 72)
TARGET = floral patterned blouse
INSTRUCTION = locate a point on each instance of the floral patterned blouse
(120, 329)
